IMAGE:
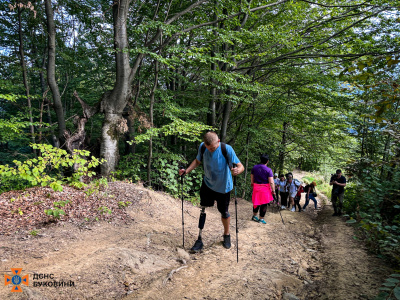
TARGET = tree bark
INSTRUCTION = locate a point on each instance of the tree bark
(225, 119)
(113, 102)
(211, 116)
(51, 72)
(25, 76)
(283, 147)
(151, 122)
(246, 168)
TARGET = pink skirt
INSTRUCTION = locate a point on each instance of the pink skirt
(261, 194)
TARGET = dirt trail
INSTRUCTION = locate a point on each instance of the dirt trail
(312, 256)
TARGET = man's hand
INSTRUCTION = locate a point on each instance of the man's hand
(235, 171)
(182, 172)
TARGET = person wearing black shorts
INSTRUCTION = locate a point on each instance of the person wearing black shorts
(207, 197)
(218, 160)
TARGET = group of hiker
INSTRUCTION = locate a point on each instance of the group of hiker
(220, 163)
(292, 189)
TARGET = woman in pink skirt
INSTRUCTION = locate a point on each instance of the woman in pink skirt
(262, 181)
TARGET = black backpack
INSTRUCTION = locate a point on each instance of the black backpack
(223, 149)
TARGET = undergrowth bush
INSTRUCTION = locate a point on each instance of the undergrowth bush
(373, 205)
(164, 173)
(321, 181)
(48, 169)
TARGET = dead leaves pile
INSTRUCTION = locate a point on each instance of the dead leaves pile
(22, 211)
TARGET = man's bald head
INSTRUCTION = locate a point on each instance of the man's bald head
(210, 137)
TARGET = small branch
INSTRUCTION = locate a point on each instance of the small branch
(172, 273)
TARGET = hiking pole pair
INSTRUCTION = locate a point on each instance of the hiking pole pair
(237, 229)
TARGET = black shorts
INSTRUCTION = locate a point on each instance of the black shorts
(208, 196)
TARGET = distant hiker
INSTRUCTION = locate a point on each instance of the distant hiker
(309, 189)
(262, 181)
(291, 188)
(297, 198)
(282, 191)
(339, 182)
(218, 159)
(276, 182)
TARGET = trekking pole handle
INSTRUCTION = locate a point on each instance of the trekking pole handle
(181, 167)
(234, 178)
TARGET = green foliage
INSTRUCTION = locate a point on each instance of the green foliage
(56, 212)
(165, 168)
(390, 289)
(34, 232)
(104, 210)
(123, 204)
(132, 167)
(188, 131)
(96, 186)
(46, 170)
(373, 202)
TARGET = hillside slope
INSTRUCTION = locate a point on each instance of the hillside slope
(311, 256)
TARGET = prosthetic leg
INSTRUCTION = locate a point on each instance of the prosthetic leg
(198, 245)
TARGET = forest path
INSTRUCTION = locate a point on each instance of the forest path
(312, 256)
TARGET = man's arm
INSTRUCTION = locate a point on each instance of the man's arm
(191, 167)
(239, 169)
(337, 183)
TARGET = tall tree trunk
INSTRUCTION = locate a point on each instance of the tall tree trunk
(151, 122)
(283, 147)
(225, 118)
(25, 75)
(43, 86)
(250, 122)
(211, 115)
(113, 102)
(51, 72)
(211, 107)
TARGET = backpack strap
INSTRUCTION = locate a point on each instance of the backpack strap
(223, 149)
(202, 149)
(225, 153)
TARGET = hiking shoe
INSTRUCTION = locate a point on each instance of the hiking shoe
(227, 241)
(262, 221)
(293, 209)
(283, 207)
(255, 218)
(198, 245)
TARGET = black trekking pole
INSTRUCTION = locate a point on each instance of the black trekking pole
(237, 229)
(183, 222)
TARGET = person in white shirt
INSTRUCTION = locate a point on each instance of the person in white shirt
(282, 191)
(291, 189)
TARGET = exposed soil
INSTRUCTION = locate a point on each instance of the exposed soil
(136, 252)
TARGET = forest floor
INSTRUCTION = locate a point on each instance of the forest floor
(136, 253)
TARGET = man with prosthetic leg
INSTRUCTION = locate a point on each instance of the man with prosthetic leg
(198, 245)
(218, 160)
